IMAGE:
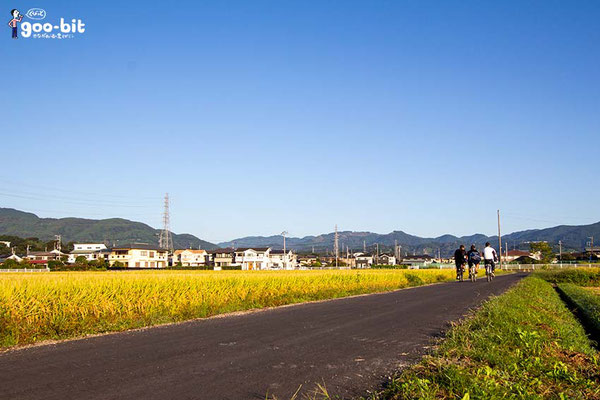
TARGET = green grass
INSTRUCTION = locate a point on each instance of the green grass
(578, 276)
(587, 302)
(524, 344)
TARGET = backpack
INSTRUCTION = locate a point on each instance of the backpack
(474, 257)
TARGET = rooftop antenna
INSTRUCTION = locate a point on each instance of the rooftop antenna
(165, 240)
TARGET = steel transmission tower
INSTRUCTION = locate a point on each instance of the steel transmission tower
(165, 240)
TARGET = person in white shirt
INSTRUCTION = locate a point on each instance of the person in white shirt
(490, 257)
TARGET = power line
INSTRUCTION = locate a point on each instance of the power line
(80, 202)
(61, 189)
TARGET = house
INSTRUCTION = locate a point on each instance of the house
(139, 256)
(306, 261)
(7, 244)
(348, 261)
(364, 260)
(45, 255)
(253, 258)
(386, 259)
(13, 257)
(281, 260)
(513, 255)
(221, 257)
(91, 252)
(190, 258)
(418, 260)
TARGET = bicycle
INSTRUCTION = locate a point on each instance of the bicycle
(473, 272)
(460, 272)
(489, 272)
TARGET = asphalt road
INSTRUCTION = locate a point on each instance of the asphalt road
(349, 344)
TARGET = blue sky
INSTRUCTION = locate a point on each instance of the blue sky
(263, 116)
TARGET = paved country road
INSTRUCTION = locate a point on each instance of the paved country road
(349, 344)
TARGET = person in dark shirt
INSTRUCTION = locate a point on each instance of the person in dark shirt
(460, 257)
(474, 259)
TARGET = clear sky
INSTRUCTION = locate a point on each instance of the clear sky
(263, 116)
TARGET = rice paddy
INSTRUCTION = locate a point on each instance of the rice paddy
(60, 305)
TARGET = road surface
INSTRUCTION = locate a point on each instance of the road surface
(349, 344)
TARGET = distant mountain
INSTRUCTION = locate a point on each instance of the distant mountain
(113, 230)
(572, 237)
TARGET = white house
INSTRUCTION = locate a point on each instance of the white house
(91, 251)
(386, 259)
(253, 258)
(281, 260)
(189, 257)
(417, 260)
(364, 261)
(139, 256)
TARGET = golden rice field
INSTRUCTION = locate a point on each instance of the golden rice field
(58, 305)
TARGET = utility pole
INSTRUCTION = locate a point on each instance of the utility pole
(165, 240)
(284, 253)
(560, 251)
(591, 248)
(336, 248)
(364, 246)
(499, 241)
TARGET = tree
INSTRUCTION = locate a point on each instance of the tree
(81, 260)
(545, 250)
(11, 264)
(55, 264)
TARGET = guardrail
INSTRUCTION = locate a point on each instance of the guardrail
(25, 270)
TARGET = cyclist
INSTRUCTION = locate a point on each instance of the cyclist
(460, 256)
(474, 259)
(490, 257)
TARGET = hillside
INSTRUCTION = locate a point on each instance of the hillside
(112, 231)
(572, 237)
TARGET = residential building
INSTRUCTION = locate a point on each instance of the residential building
(417, 260)
(45, 255)
(91, 252)
(281, 260)
(307, 261)
(364, 260)
(139, 256)
(513, 255)
(221, 257)
(190, 258)
(253, 258)
(386, 259)
(347, 261)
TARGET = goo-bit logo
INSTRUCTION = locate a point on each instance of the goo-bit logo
(63, 29)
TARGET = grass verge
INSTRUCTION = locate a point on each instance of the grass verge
(524, 344)
(577, 276)
(587, 302)
(37, 307)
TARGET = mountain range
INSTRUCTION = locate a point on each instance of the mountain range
(120, 231)
(110, 231)
(573, 238)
